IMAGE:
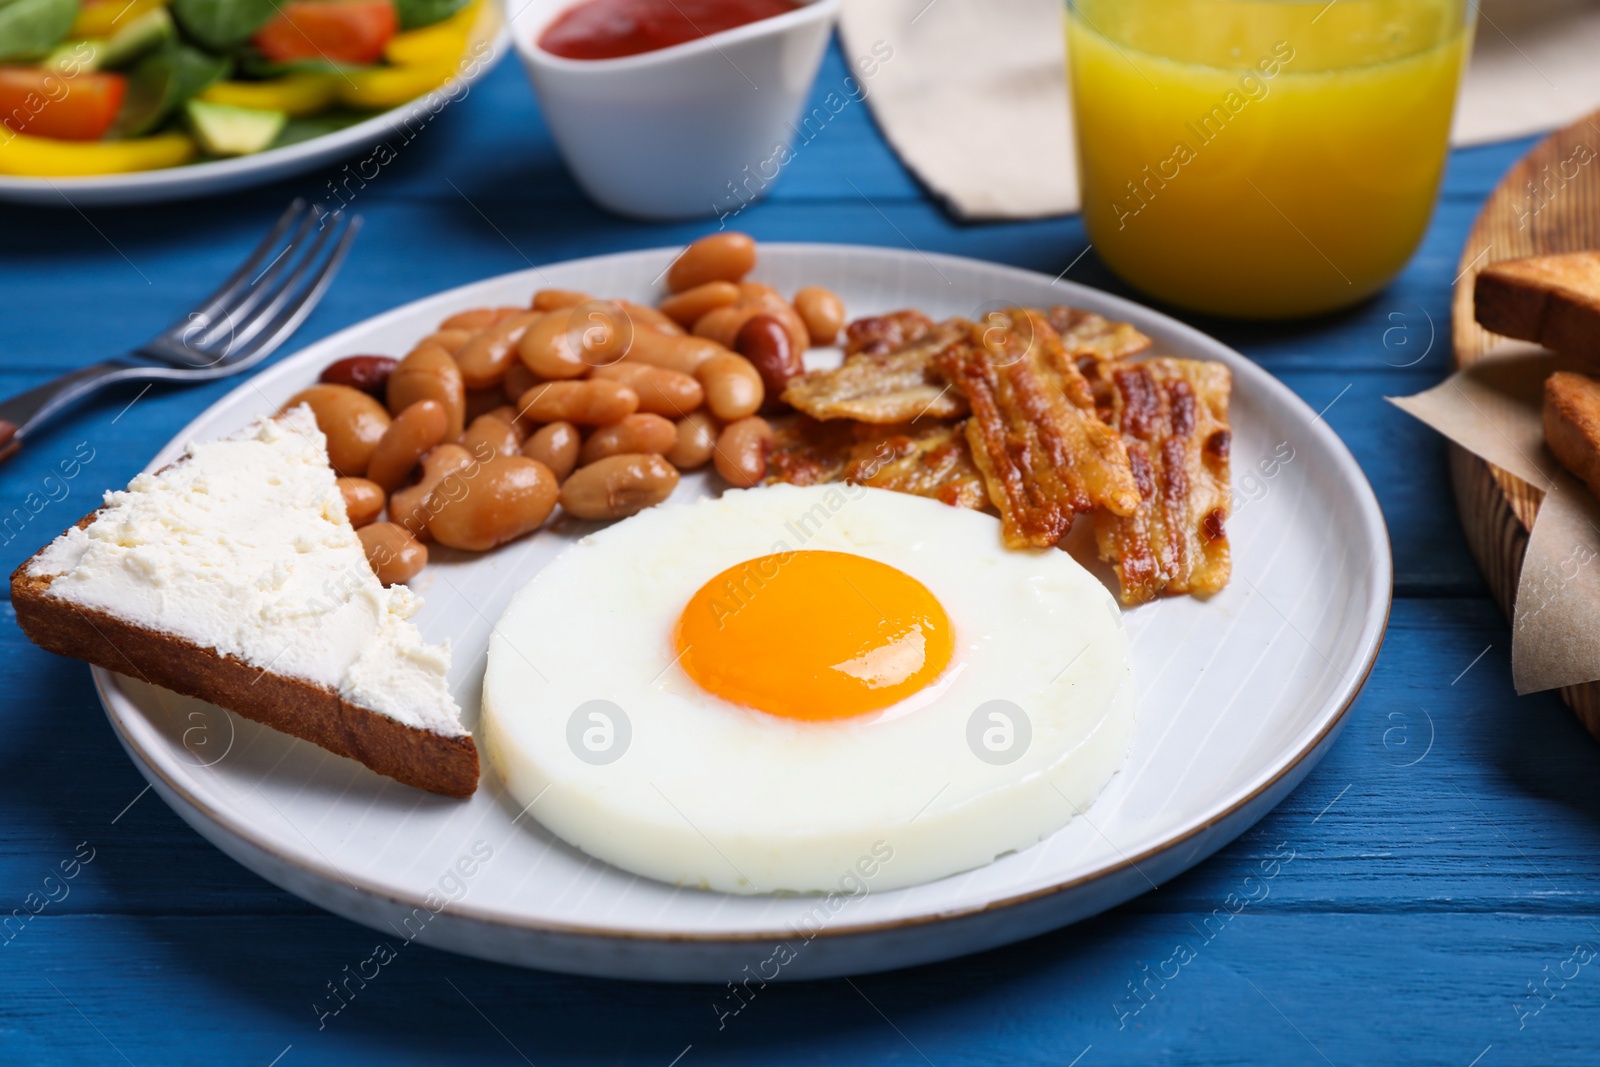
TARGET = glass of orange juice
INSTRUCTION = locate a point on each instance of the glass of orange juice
(1262, 158)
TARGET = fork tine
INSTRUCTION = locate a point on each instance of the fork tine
(240, 305)
(237, 280)
(289, 318)
(265, 309)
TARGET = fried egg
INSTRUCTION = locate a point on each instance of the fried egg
(788, 687)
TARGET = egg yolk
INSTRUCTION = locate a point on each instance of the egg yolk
(813, 635)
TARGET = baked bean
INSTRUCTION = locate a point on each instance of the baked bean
(767, 299)
(449, 340)
(697, 438)
(363, 500)
(821, 311)
(733, 386)
(413, 434)
(394, 554)
(556, 446)
(687, 307)
(492, 434)
(618, 486)
(758, 293)
(429, 373)
(719, 257)
(765, 343)
(589, 403)
(483, 359)
(648, 318)
(674, 352)
(519, 379)
(370, 374)
(508, 415)
(508, 496)
(742, 450)
(352, 422)
(661, 391)
(721, 326)
(409, 507)
(636, 433)
(566, 343)
(478, 318)
(481, 402)
(555, 299)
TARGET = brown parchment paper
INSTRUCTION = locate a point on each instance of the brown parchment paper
(1494, 409)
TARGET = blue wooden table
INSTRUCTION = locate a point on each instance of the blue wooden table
(1441, 905)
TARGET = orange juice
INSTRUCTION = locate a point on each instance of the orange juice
(1262, 158)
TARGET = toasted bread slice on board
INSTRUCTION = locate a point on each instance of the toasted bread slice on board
(1550, 300)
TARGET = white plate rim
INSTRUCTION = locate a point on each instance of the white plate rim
(223, 175)
(1310, 742)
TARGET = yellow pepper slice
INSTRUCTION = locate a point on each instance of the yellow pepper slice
(44, 157)
(381, 88)
(299, 94)
(436, 45)
(102, 18)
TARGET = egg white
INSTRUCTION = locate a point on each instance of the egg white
(710, 794)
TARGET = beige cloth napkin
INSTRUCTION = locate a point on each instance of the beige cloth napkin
(1535, 67)
(974, 98)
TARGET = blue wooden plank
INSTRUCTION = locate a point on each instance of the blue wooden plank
(1431, 884)
(1272, 988)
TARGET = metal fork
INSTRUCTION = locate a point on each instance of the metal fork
(253, 312)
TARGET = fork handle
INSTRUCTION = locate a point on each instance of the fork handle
(24, 411)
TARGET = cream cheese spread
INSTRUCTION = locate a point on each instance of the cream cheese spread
(244, 547)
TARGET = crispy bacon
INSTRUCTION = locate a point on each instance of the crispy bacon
(1044, 454)
(1085, 335)
(885, 333)
(1092, 343)
(808, 452)
(884, 387)
(1173, 415)
(927, 458)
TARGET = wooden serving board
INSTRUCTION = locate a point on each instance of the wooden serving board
(1549, 202)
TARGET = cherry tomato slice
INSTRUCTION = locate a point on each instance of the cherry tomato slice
(46, 103)
(339, 31)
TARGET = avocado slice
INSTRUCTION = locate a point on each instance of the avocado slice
(143, 34)
(159, 83)
(149, 31)
(75, 57)
(225, 130)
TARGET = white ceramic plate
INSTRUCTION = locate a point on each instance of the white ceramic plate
(226, 175)
(1240, 695)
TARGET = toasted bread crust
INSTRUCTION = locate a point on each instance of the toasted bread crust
(1550, 300)
(439, 764)
(1572, 424)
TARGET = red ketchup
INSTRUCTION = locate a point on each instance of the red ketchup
(606, 29)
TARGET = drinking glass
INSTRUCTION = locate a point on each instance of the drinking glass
(1262, 158)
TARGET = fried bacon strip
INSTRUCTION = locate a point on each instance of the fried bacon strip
(885, 333)
(1173, 415)
(1044, 454)
(927, 458)
(808, 452)
(1087, 336)
(884, 387)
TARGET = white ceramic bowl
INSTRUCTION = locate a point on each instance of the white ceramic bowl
(697, 129)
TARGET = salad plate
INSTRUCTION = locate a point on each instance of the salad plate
(305, 144)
